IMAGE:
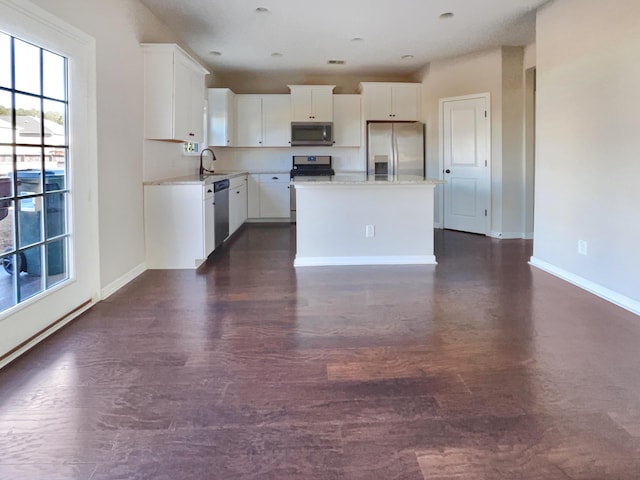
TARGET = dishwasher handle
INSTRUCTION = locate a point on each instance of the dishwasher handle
(220, 185)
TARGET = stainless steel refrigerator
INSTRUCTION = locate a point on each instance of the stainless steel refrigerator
(395, 148)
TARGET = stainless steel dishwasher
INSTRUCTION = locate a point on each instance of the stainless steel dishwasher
(221, 211)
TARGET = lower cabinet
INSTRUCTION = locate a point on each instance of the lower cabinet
(269, 196)
(238, 203)
(179, 231)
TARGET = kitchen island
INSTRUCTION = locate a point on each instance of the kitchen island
(364, 220)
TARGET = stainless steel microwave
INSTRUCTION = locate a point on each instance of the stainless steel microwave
(311, 133)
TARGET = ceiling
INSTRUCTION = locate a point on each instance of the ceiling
(232, 36)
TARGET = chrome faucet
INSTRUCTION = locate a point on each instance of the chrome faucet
(202, 169)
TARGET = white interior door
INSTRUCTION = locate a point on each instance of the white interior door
(465, 153)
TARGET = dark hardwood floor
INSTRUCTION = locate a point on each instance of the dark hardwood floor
(479, 368)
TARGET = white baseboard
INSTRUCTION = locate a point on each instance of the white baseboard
(373, 260)
(437, 225)
(46, 333)
(116, 285)
(611, 296)
(268, 220)
(511, 235)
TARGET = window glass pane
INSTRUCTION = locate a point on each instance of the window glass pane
(57, 262)
(53, 75)
(27, 64)
(56, 224)
(6, 127)
(6, 170)
(29, 166)
(28, 115)
(7, 226)
(29, 221)
(5, 60)
(7, 285)
(54, 127)
(34, 154)
(32, 284)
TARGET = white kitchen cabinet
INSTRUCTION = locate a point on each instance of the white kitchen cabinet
(347, 124)
(311, 103)
(274, 196)
(268, 196)
(179, 231)
(174, 94)
(391, 101)
(221, 117)
(263, 120)
(276, 117)
(237, 203)
(248, 120)
(253, 195)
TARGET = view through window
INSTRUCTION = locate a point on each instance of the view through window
(34, 152)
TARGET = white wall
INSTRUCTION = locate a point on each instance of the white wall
(466, 75)
(499, 72)
(588, 146)
(119, 26)
(512, 167)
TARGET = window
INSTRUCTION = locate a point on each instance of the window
(34, 153)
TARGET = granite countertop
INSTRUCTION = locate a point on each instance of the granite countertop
(196, 179)
(364, 179)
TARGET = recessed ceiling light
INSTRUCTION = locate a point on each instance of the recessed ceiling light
(276, 54)
(446, 15)
(215, 53)
(262, 10)
(406, 57)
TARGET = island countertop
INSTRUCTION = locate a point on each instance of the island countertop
(364, 179)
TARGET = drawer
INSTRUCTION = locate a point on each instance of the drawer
(235, 182)
(275, 177)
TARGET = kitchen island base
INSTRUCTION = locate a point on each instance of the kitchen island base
(364, 222)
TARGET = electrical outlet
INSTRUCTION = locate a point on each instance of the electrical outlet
(582, 247)
(370, 231)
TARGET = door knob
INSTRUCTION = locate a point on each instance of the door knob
(447, 171)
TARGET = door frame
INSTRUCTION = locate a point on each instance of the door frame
(441, 102)
(31, 321)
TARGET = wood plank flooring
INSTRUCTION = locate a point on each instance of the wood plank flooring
(478, 368)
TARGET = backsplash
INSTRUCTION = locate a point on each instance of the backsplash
(279, 159)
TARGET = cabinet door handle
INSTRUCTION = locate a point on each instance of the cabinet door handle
(192, 134)
(274, 178)
(209, 191)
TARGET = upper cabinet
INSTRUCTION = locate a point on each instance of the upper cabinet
(346, 120)
(263, 120)
(391, 101)
(221, 125)
(311, 103)
(174, 94)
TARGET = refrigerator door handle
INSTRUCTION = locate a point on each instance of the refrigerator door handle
(394, 151)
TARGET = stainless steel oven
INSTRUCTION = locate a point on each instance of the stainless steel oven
(308, 166)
